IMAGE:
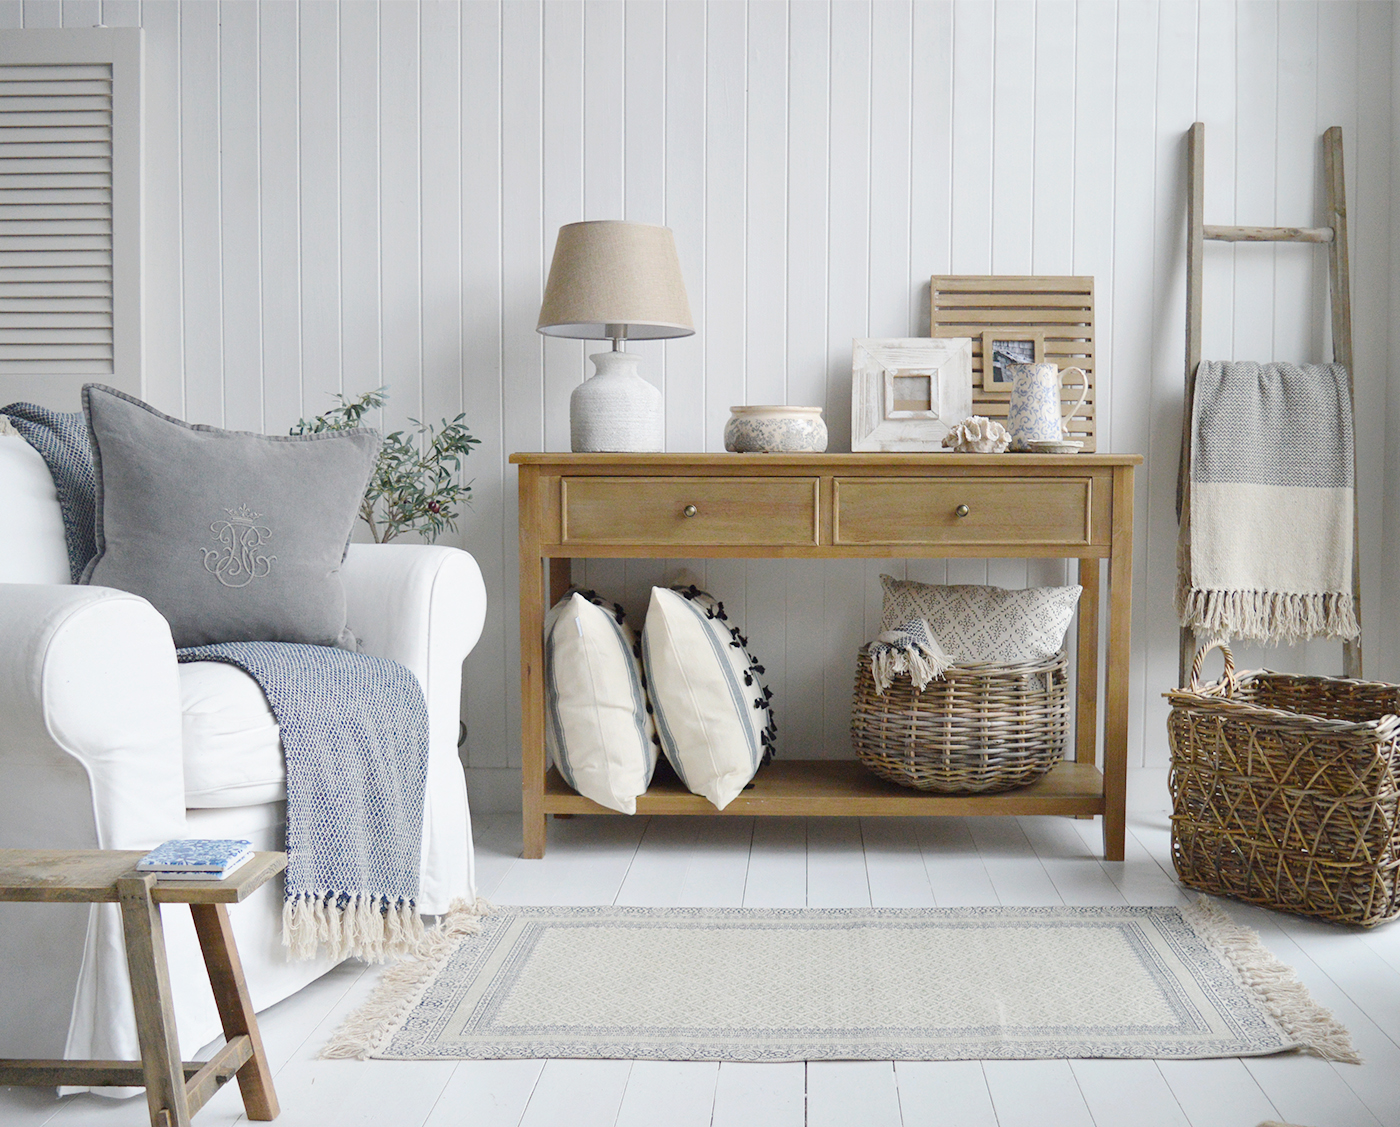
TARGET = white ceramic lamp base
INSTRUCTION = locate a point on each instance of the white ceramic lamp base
(615, 410)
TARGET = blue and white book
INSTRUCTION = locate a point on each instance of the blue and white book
(196, 858)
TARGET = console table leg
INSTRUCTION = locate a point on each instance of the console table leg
(211, 924)
(155, 1013)
(1086, 705)
(534, 579)
(1115, 742)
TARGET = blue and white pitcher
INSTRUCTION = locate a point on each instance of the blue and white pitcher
(1037, 414)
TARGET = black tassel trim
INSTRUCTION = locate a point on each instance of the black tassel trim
(598, 601)
(714, 610)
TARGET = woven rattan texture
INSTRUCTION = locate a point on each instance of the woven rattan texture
(981, 728)
(1286, 794)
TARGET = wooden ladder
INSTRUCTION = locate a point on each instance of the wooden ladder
(1335, 236)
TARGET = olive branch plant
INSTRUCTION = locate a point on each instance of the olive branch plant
(416, 485)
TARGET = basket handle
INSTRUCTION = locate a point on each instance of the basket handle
(1230, 681)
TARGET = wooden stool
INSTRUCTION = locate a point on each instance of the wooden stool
(175, 1090)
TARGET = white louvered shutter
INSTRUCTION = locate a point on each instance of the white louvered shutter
(70, 205)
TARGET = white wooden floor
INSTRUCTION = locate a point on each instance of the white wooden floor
(830, 863)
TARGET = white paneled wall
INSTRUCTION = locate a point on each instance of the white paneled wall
(346, 195)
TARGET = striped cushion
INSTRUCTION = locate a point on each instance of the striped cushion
(712, 712)
(597, 726)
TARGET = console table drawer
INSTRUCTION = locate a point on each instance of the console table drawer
(965, 510)
(689, 511)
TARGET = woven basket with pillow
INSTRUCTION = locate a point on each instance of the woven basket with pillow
(967, 689)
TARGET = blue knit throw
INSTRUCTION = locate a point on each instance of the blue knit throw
(354, 731)
(62, 439)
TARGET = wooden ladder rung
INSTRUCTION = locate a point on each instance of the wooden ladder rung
(1224, 234)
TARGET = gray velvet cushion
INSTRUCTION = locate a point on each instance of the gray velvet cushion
(232, 536)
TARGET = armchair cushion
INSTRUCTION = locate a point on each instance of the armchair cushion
(232, 536)
(232, 744)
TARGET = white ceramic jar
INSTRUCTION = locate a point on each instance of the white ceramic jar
(769, 429)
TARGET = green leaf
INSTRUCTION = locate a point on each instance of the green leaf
(415, 470)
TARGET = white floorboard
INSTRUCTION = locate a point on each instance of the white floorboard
(777, 876)
(774, 1095)
(719, 864)
(836, 864)
(894, 864)
(1127, 1091)
(842, 862)
(657, 875)
(1217, 1093)
(937, 1092)
(486, 1093)
(843, 1092)
(581, 1093)
(678, 1093)
(955, 870)
(1036, 1093)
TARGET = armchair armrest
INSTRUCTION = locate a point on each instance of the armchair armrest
(424, 606)
(90, 757)
(90, 750)
(419, 604)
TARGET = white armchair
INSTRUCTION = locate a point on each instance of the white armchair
(106, 742)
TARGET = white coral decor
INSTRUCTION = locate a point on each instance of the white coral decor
(977, 434)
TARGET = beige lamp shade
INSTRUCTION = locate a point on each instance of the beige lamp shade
(607, 274)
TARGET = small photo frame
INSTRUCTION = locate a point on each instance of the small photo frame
(1008, 346)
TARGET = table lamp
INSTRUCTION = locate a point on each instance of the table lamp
(618, 281)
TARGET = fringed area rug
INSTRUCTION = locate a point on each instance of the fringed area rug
(849, 984)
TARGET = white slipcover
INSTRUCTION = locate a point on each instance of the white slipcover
(102, 746)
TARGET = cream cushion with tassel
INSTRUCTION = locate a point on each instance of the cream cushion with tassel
(712, 711)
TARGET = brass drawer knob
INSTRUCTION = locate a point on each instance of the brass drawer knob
(962, 510)
(690, 511)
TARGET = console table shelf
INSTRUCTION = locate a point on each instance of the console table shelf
(838, 506)
(816, 787)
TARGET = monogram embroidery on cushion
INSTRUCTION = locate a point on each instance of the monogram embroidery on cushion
(237, 562)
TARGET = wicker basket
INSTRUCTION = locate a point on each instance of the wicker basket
(982, 728)
(1285, 791)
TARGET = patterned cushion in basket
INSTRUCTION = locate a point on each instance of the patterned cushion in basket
(974, 623)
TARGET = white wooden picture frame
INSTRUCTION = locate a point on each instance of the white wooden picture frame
(908, 392)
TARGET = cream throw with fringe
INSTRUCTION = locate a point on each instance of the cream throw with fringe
(910, 649)
(1267, 551)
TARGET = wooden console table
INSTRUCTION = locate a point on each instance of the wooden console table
(837, 506)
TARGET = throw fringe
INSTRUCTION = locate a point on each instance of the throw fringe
(362, 928)
(402, 985)
(1274, 984)
(900, 651)
(1269, 616)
